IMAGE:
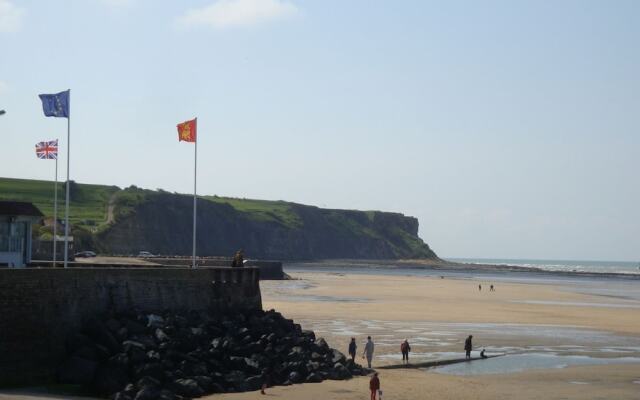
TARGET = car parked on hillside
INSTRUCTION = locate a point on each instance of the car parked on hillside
(84, 254)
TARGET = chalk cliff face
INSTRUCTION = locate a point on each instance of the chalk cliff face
(161, 222)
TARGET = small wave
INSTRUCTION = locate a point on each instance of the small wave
(597, 267)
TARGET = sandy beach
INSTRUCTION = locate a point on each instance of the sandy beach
(410, 298)
(516, 317)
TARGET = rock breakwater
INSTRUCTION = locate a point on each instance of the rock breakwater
(138, 356)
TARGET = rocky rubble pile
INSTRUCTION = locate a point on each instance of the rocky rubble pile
(148, 356)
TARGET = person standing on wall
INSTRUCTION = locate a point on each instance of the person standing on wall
(238, 259)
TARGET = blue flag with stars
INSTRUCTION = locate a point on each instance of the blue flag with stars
(55, 105)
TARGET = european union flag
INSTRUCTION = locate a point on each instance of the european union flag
(55, 105)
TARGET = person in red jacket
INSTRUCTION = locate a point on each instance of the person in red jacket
(374, 385)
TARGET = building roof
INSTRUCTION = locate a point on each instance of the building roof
(15, 208)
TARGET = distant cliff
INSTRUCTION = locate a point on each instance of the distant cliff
(126, 221)
(162, 223)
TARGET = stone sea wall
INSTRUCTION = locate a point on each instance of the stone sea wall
(40, 307)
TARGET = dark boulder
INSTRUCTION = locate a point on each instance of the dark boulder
(152, 369)
(186, 387)
(314, 378)
(161, 336)
(295, 377)
(340, 372)
(205, 382)
(322, 343)
(337, 357)
(166, 394)
(121, 396)
(148, 393)
(254, 382)
(235, 377)
(135, 327)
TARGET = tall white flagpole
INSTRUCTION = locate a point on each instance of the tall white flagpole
(55, 211)
(195, 178)
(66, 206)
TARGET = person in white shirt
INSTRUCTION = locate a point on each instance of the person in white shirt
(368, 350)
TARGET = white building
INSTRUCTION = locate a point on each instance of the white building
(16, 220)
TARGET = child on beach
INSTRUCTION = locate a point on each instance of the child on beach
(374, 386)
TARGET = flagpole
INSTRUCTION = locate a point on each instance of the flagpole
(66, 206)
(195, 177)
(55, 211)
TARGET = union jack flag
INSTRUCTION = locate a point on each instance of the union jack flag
(47, 150)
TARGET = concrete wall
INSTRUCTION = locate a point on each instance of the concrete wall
(39, 307)
(268, 269)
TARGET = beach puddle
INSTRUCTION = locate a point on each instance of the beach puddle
(294, 290)
(578, 304)
(523, 347)
(522, 362)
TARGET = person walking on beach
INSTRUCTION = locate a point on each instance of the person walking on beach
(468, 346)
(491, 289)
(405, 349)
(368, 351)
(374, 385)
(480, 288)
(353, 347)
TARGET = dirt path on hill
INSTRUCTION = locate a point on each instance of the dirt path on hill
(110, 207)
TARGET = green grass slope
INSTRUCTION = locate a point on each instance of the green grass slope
(88, 206)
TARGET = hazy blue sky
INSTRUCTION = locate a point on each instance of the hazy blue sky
(509, 128)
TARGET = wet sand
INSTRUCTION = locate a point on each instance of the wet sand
(410, 298)
(588, 383)
(437, 314)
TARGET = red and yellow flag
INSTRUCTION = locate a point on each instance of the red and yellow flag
(187, 131)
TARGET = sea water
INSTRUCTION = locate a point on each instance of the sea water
(604, 267)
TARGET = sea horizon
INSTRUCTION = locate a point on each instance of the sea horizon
(596, 266)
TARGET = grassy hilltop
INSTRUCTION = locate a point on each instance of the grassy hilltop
(88, 202)
(122, 221)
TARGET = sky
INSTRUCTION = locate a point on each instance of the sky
(510, 129)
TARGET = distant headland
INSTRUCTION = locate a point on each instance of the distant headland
(111, 220)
